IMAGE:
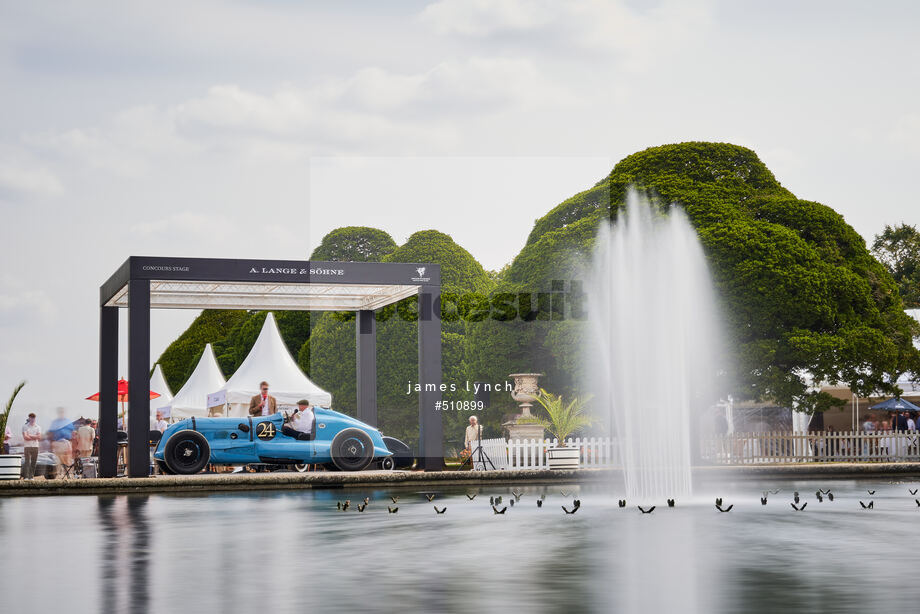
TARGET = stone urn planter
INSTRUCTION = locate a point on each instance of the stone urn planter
(525, 394)
(10, 466)
(563, 458)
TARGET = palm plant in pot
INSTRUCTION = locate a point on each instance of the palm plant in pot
(563, 419)
(10, 464)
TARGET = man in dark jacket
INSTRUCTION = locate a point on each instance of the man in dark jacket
(263, 404)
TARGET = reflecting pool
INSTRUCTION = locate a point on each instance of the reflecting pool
(294, 551)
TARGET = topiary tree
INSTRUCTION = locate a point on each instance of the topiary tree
(354, 244)
(800, 292)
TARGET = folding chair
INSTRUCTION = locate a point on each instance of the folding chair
(122, 460)
(70, 471)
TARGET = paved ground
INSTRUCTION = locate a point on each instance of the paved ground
(323, 479)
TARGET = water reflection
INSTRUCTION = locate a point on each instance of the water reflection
(124, 553)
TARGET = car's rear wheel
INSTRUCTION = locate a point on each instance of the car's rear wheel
(352, 450)
(187, 452)
(301, 467)
(164, 468)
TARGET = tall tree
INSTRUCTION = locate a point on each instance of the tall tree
(898, 248)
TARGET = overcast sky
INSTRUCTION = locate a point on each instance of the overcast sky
(251, 129)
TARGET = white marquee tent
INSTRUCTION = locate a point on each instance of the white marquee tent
(158, 384)
(192, 399)
(271, 361)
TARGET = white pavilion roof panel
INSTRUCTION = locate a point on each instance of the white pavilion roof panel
(178, 294)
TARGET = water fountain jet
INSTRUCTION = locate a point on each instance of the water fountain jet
(654, 335)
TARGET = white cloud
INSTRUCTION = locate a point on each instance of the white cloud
(374, 95)
(372, 110)
(122, 145)
(18, 179)
(637, 36)
(488, 17)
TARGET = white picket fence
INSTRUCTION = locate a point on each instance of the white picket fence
(734, 449)
(531, 453)
(835, 446)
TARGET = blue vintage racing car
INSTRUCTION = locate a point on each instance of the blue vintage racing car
(337, 441)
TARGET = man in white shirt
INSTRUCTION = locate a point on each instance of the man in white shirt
(472, 433)
(31, 435)
(161, 424)
(302, 420)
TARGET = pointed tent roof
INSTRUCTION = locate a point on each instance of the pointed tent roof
(158, 384)
(192, 399)
(270, 360)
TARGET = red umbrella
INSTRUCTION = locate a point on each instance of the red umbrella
(122, 392)
(122, 396)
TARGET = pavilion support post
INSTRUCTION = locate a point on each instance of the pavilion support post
(138, 378)
(366, 371)
(431, 447)
(108, 391)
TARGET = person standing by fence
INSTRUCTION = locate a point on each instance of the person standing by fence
(884, 442)
(870, 446)
(31, 435)
(899, 425)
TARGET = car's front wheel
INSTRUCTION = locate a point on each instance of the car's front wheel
(187, 452)
(388, 464)
(164, 468)
(352, 450)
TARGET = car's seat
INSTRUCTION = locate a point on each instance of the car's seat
(290, 431)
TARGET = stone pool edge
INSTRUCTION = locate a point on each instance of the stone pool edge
(323, 480)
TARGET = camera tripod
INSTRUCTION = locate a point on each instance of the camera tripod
(483, 457)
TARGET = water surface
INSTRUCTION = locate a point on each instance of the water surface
(293, 551)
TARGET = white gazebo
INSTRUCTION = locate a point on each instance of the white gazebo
(143, 283)
(268, 360)
(192, 399)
